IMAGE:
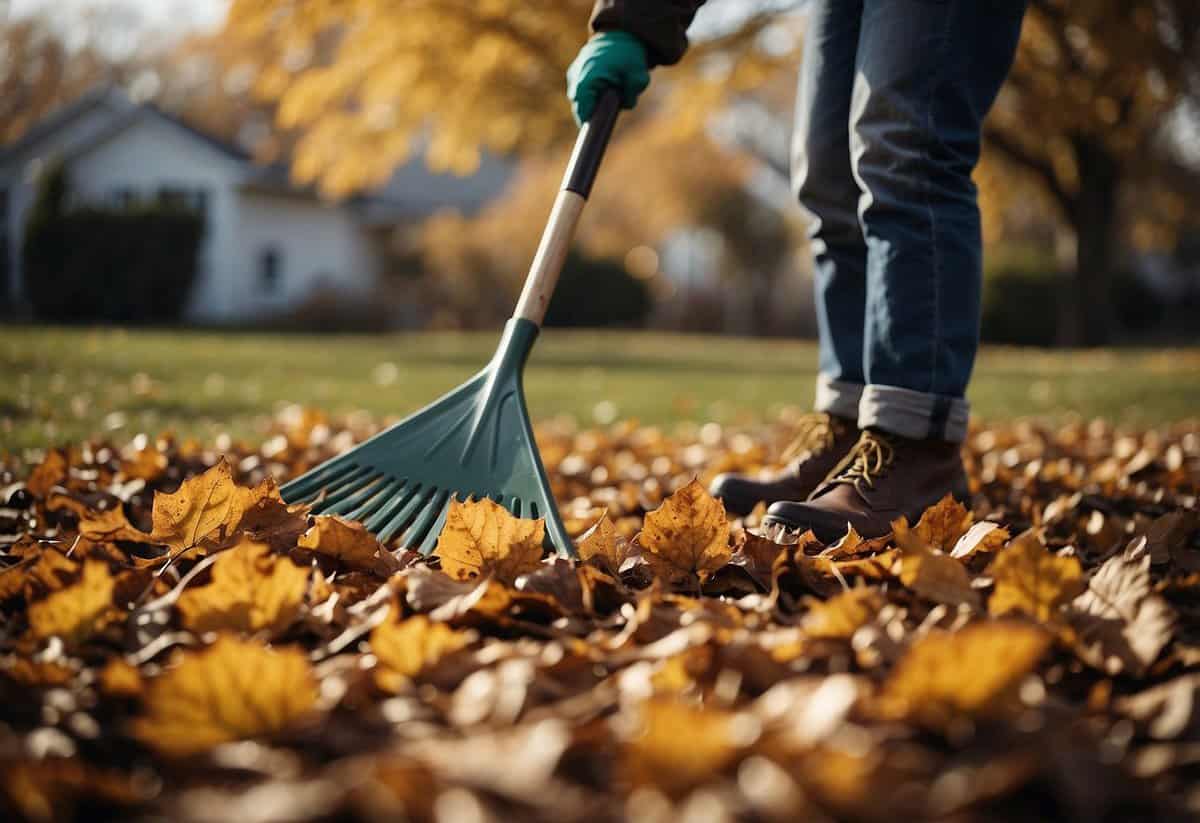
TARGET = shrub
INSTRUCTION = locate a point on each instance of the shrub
(596, 293)
(93, 264)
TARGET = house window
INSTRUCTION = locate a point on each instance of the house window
(270, 269)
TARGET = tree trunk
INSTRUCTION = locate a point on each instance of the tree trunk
(1089, 319)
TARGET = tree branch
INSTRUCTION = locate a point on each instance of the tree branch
(1040, 166)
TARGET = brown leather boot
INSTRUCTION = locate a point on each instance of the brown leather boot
(883, 477)
(821, 441)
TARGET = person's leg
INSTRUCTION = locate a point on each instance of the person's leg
(927, 74)
(825, 186)
(928, 71)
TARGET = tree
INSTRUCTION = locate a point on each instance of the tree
(363, 81)
(1080, 115)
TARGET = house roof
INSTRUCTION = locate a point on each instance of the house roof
(412, 192)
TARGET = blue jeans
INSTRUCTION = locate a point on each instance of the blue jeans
(891, 104)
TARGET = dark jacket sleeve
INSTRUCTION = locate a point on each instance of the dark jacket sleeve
(660, 24)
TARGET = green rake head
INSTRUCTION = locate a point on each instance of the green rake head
(475, 442)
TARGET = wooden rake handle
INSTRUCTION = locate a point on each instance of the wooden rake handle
(560, 228)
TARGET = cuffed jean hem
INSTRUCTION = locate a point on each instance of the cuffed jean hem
(838, 397)
(914, 414)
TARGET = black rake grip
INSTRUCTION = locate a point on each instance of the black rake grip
(590, 145)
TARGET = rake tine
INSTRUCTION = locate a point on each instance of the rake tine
(309, 485)
(429, 512)
(346, 504)
(384, 492)
(404, 516)
(430, 541)
(381, 517)
(350, 485)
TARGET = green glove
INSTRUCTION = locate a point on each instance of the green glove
(610, 58)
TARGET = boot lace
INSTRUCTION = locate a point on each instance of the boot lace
(814, 435)
(870, 459)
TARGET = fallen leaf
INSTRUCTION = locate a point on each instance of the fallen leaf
(968, 671)
(233, 690)
(252, 590)
(1121, 624)
(1167, 711)
(981, 538)
(675, 747)
(1169, 535)
(407, 646)
(1031, 580)
(481, 537)
(839, 617)
(687, 535)
(943, 524)
(111, 525)
(207, 506)
(79, 611)
(119, 679)
(49, 473)
(601, 542)
(349, 543)
(929, 572)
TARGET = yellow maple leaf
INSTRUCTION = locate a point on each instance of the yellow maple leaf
(209, 505)
(251, 590)
(78, 611)
(942, 524)
(348, 542)
(601, 542)
(929, 572)
(688, 534)
(406, 647)
(233, 690)
(480, 537)
(1030, 579)
(968, 671)
(842, 615)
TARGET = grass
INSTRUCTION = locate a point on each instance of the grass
(61, 385)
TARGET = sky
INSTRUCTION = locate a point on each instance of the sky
(155, 14)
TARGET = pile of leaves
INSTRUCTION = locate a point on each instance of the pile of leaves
(176, 641)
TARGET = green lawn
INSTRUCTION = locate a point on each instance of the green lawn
(59, 385)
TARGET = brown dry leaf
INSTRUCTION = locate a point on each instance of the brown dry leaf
(49, 473)
(407, 646)
(349, 543)
(687, 535)
(602, 542)
(1121, 624)
(981, 538)
(40, 673)
(839, 617)
(233, 690)
(967, 671)
(145, 464)
(677, 747)
(120, 679)
(207, 506)
(1030, 579)
(928, 572)
(60, 789)
(251, 590)
(481, 537)
(943, 524)
(111, 525)
(1168, 536)
(79, 611)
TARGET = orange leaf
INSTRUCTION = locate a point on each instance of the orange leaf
(687, 535)
(480, 537)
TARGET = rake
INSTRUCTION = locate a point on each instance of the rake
(476, 441)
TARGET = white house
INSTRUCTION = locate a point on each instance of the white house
(268, 246)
